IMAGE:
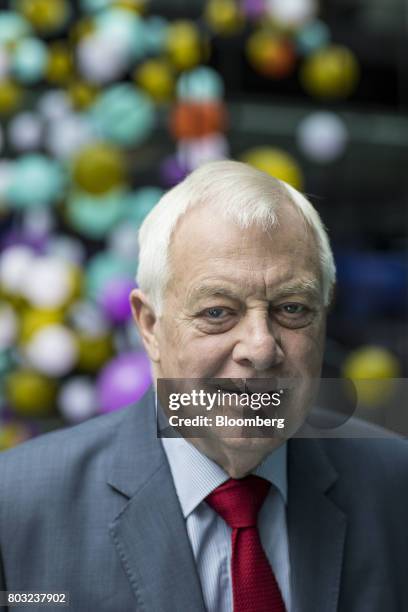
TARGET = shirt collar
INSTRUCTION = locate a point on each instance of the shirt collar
(195, 476)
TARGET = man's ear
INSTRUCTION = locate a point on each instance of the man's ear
(146, 320)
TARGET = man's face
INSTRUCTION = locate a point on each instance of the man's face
(243, 304)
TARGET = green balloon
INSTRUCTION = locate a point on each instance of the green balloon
(138, 204)
(94, 216)
(36, 181)
(104, 267)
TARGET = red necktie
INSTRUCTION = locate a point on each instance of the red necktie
(254, 585)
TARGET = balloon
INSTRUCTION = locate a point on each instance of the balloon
(277, 163)
(29, 60)
(60, 65)
(66, 248)
(123, 380)
(94, 352)
(93, 6)
(312, 36)
(8, 326)
(13, 27)
(52, 283)
(172, 171)
(30, 394)
(155, 34)
(102, 60)
(87, 319)
(98, 168)
(25, 131)
(104, 267)
(253, 9)
(52, 350)
(121, 24)
(193, 153)
(372, 369)
(15, 265)
(138, 204)
(322, 136)
(331, 72)
(77, 399)
(4, 63)
(194, 119)
(224, 16)
(292, 13)
(36, 181)
(37, 224)
(46, 16)
(183, 44)
(82, 94)
(6, 175)
(271, 54)
(202, 83)
(54, 105)
(123, 114)
(122, 241)
(155, 76)
(94, 216)
(32, 320)
(10, 97)
(115, 299)
(68, 135)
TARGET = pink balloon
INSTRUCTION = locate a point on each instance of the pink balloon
(115, 299)
(123, 381)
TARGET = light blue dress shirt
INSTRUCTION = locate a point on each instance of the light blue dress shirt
(196, 476)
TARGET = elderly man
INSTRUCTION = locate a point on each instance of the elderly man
(235, 278)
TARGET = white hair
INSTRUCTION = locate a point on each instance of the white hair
(239, 193)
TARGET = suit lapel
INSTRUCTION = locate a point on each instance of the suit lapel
(316, 529)
(149, 532)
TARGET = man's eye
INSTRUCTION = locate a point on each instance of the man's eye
(215, 313)
(293, 309)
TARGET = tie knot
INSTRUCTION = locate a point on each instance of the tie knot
(239, 501)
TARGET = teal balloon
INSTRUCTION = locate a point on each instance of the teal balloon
(123, 115)
(140, 203)
(12, 27)
(102, 269)
(93, 216)
(156, 29)
(93, 6)
(36, 181)
(125, 26)
(29, 60)
(200, 84)
(312, 36)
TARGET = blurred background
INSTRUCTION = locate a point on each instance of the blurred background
(105, 104)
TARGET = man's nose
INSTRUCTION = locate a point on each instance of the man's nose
(259, 343)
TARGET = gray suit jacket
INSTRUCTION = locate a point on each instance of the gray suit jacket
(92, 510)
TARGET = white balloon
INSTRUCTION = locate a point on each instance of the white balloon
(77, 399)
(38, 221)
(88, 319)
(8, 326)
(25, 131)
(193, 153)
(123, 241)
(322, 136)
(292, 12)
(54, 104)
(66, 248)
(49, 283)
(102, 59)
(67, 135)
(15, 267)
(52, 350)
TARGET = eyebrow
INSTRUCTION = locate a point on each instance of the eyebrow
(310, 287)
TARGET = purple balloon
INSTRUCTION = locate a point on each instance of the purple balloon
(253, 8)
(172, 171)
(123, 381)
(115, 299)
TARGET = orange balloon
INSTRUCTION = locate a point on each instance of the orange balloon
(271, 55)
(197, 119)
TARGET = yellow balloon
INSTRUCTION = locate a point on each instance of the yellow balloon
(155, 76)
(12, 434)
(136, 6)
(30, 394)
(224, 16)
(277, 163)
(32, 320)
(98, 168)
(80, 29)
(372, 369)
(82, 94)
(94, 352)
(10, 96)
(184, 46)
(60, 65)
(45, 15)
(331, 72)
